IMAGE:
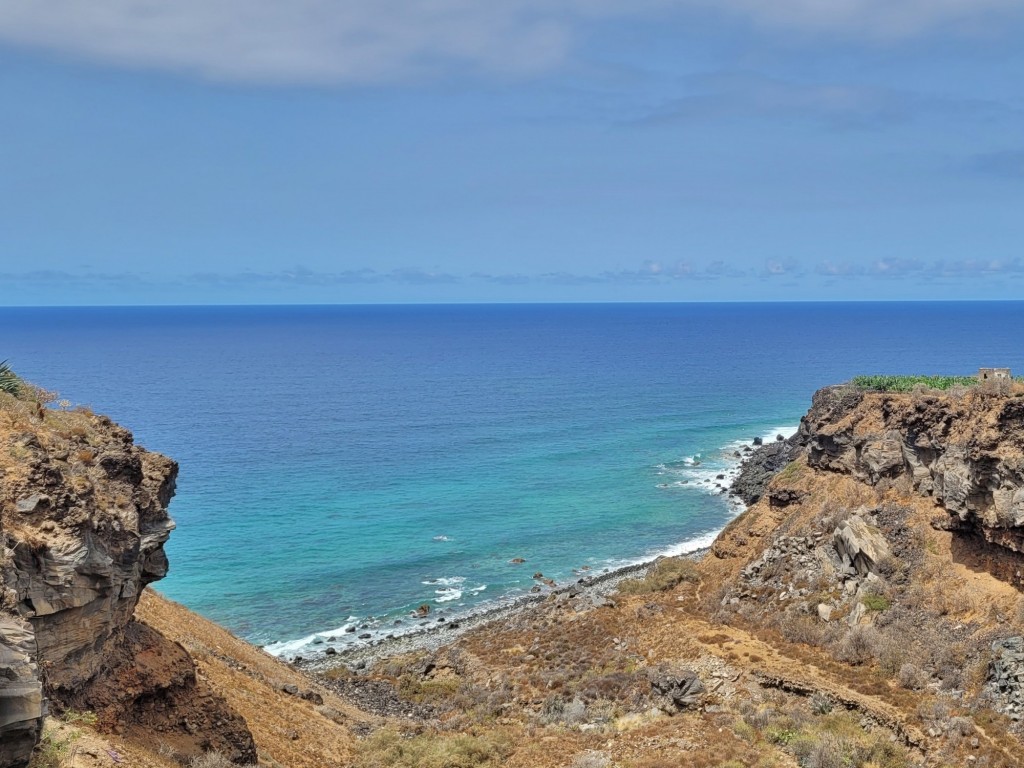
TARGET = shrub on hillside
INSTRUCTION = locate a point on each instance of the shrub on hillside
(860, 645)
(9, 381)
(663, 575)
(387, 748)
(910, 383)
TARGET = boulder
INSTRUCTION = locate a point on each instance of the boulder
(859, 545)
(675, 689)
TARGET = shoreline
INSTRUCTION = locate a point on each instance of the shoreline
(436, 632)
(596, 589)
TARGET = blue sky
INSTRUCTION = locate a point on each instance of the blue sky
(331, 151)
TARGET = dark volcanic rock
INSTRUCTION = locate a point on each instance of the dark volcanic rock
(675, 690)
(761, 466)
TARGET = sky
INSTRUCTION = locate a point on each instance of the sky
(338, 151)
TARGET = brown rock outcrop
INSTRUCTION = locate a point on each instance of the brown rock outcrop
(966, 451)
(83, 521)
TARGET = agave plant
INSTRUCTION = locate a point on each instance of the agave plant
(9, 382)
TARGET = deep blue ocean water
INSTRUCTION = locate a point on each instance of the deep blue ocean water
(343, 463)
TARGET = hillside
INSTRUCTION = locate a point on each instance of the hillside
(864, 612)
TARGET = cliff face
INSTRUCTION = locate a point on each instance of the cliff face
(83, 521)
(967, 453)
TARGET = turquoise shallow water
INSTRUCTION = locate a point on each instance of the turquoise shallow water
(341, 466)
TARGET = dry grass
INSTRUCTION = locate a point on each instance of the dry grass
(389, 748)
(664, 574)
(250, 680)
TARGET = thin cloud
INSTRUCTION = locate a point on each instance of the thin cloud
(652, 271)
(1007, 164)
(841, 106)
(895, 268)
(980, 267)
(56, 277)
(775, 268)
(357, 42)
(296, 276)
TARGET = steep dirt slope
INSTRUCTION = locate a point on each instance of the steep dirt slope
(295, 721)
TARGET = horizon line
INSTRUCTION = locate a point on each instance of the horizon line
(268, 305)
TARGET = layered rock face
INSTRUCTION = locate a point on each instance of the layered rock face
(966, 452)
(83, 521)
(21, 692)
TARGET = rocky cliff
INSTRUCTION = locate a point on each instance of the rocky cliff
(964, 452)
(83, 521)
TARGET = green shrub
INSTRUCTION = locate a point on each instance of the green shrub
(52, 750)
(410, 686)
(9, 381)
(876, 602)
(73, 716)
(908, 383)
(213, 760)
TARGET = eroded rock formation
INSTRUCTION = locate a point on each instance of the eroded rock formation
(966, 452)
(83, 521)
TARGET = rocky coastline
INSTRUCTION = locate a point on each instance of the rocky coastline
(757, 467)
(593, 591)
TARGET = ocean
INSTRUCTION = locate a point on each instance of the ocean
(341, 466)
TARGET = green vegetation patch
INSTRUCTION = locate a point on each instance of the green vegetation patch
(876, 602)
(792, 471)
(9, 381)
(909, 383)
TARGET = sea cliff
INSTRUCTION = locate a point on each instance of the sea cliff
(83, 521)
